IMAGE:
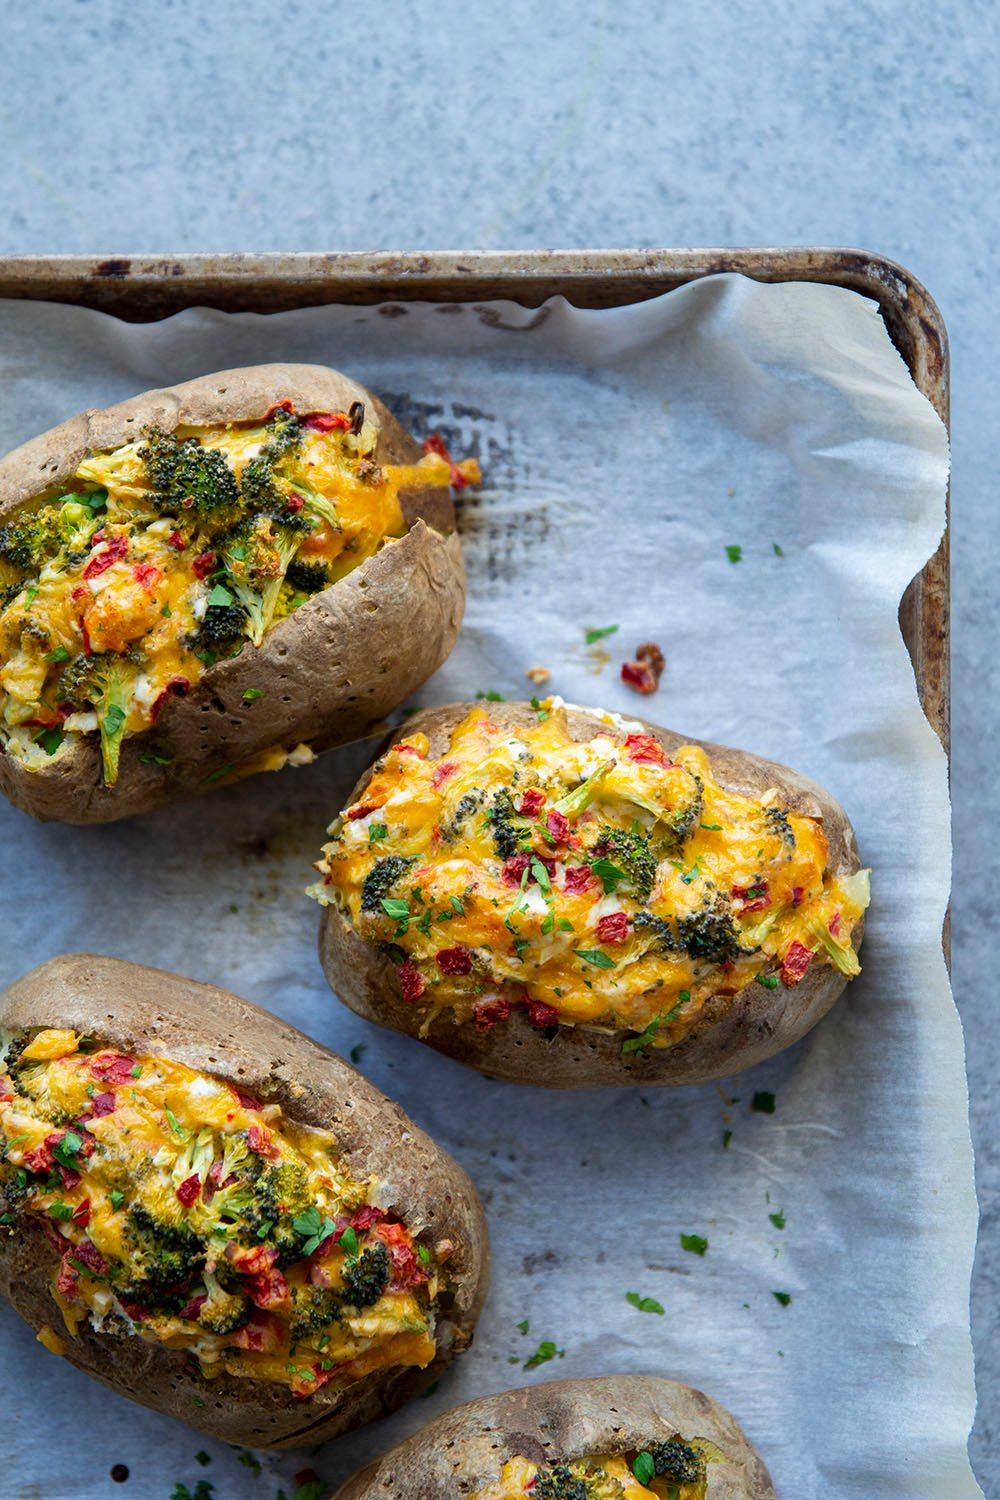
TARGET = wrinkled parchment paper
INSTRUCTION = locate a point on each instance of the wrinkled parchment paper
(623, 452)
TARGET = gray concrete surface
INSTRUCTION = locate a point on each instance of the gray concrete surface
(171, 125)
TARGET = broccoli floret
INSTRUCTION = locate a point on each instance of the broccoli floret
(187, 477)
(711, 932)
(160, 1256)
(367, 1276)
(560, 1482)
(510, 830)
(684, 820)
(32, 539)
(284, 434)
(659, 929)
(221, 633)
(677, 1461)
(574, 802)
(279, 1195)
(466, 807)
(224, 1311)
(13, 1186)
(313, 1309)
(380, 880)
(104, 683)
(307, 578)
(630, 851)
(257, 556)
(777, 821)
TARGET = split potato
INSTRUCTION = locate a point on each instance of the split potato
(561, 896)
(217, 578)
(215, 1216)
(638, 1437)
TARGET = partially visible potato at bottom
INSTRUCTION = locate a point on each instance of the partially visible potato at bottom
(562, 1422)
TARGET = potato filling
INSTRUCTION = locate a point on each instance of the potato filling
(170, 553)
(599, 883)
(187, 1213)
(673, 1470)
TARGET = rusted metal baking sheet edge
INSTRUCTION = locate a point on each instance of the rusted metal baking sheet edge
(146, 287)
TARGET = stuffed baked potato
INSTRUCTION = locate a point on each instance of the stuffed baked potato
(215, 579)
(215, 1216)
(560, 896)
(624, 1437)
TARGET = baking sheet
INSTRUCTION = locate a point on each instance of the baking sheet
(623, 452)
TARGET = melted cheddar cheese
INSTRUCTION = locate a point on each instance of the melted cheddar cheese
(673, 1470)
(169, 554)
(186, 1213)
(597, 883)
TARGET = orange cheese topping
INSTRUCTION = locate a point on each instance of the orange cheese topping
(599, 883)
(188, 1214)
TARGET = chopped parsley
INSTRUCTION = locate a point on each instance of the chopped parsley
(596, 957)
(778, 551)
(545, 1351)
(644, 1468)
(58, 653)
(734, 552)
(252, 694)
(778, 1220)
(644, 1304)
(599, 633)
(377, 831)
(541, 714)
(783, 1297)
(763, 1103)
(697, 1244)
(639, 1043)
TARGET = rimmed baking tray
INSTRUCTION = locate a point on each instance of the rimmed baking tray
(147, 287)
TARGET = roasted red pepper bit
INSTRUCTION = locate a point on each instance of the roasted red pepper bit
(101, 1105)
(578, 878)
(795, 963)
(489, 1013)
(177, 687)
(514, 868)
(435, 444)
(613, 928)
(190, 1313)
(81, 1214)
(442, 772)
(176, 540)
(88, 1255)
(285, 405)
(113, 1067)
(259, 1140)
(531, 802)
(411, 981)
(147, 575)
(754, 897)
(110, 552)
(646, 750)
(360, 812)
(456, 960)
(204, 564)
(557, 824)
(189, 1190)
(327, 421)
(636, 674)
(267, 1288)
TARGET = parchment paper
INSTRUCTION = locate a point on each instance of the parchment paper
(623, 451)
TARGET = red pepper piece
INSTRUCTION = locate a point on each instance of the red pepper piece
(557, 824)
(327, 421)
(541, 1015)
(638, 675)
(87, 1253)
(101, 1105)
(147, 575)
(189, 1190)
(795, 963)
(435, 444)
(176, 540)
(407, 1269)
(366, 1217)
(204, 564)
(489, 1013)
(246, 1100)
(456, 960)
(353, 813)
(578, 878)
(267, 1288)
(442, 773)
(411, 981)
(66, 1281)
(514, 868)
(531, 802)
(285, 405)
(177, 687)
(613, 928)
(644, 749)
(111, 552)
(113, 1068)
(190, 1313)
(754, 897)
(259, 1140)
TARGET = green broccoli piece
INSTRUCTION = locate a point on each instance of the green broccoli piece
(366, 1276)
(313, 1309)
(307, 578)
(777, 821)
(711, 932)
(467, 805)
(31, 539)
(380, 880)
(562, 1482)
(220, 633)
(160, 1256)
(257, 555)
(510, 830)
(188, 477)
(224, 1311)
(104, 683)
(284, 434)
(13, 1186)
(660, 931)
(678, 1462)
(279, 1195)
(629, 850)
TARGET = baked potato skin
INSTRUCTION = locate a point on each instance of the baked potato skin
(335, 667)
(560, 1420)
(730, 1033)
(133, 1007)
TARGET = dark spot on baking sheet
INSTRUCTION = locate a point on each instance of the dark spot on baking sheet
(449, 307)
(493, 318)
(119, 1473)
(392, 310)
(474, 413)
(543, 1261)
(418, 417)
(113, 268)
